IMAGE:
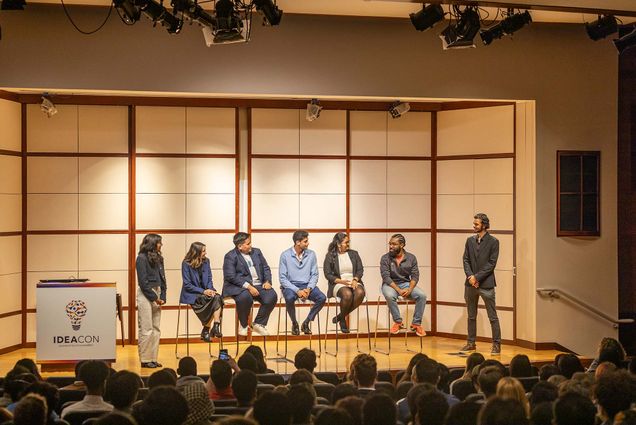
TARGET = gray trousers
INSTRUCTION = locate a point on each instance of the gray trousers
(471, 295)
(149, 321)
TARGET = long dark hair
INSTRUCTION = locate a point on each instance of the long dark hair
(193, 257)
(337, 240)
(149, 247)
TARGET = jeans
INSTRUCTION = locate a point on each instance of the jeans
(417, 295)
(244, 301)
(316, 296)
(471, 295)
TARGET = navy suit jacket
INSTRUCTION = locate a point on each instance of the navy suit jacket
(236, 271)
(192, 285)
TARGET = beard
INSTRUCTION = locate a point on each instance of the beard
(393, 253)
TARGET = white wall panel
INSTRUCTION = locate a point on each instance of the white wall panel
(55, 134)
(10, 174)
(103, 211)
(275, 176)
(494, 176)
(103, 175)
(368, 176)
(210, 175)
(52, 252)
(324, 136)
(210, 211)
(409, 211)
(34, 277)
(10, 213)
(499, 208)
(410, 135)
(174, 281)
(368, 132)
(120, 277)
(10, 254)
(160, 129)
(211, 130)
(52, 175)
(450, 284)
(505, 252)
(103, 252)
(409, 177)
(368, 211)
(450, 249)
(31, 326)
(275, 211)
(323, 211)
(161, 175)
(11, 290)
(10, 125)
(217, 245)
(323, 176)
(173, 250)
(418, 244)
(455, 177)
(276, 131)
(452, 319)
(272, 245)
(11, 331)
(371, 247)
(52, 212)
(103, 128)
(160, 211)
(455, 211)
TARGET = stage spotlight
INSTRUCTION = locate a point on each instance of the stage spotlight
(271, 13)
(627, 39)
(602, 27)
(47, 106)
(313, 110)
(397, 109)
(461, 34)
(427, 17)
(508, 26)
(128, 11)
(12, 5)
(160, 15)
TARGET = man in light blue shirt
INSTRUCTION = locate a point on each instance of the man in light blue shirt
(298, 274)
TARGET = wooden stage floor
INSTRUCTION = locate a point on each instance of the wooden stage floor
(444, 350)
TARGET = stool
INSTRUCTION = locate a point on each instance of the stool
(282, 305)
(356, 329)
(390, 320)
(249, 339)
(187, 333)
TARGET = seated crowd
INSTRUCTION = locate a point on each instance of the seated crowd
(485, 392)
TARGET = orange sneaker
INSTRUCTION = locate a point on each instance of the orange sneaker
(419, 330)
(395, 329)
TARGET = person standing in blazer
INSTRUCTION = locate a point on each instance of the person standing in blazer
(247, 277)
(343, 270)
(480, 259)
(151, 295)
(199, 292)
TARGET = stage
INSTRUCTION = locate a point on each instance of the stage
(444, 350)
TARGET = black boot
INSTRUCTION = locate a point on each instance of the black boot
(343, 326)
(216, 330)
(205, 334)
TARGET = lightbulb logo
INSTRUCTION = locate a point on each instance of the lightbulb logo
(76, 310)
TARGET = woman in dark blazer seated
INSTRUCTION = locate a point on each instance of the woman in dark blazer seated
(343, 270)
(197, 290)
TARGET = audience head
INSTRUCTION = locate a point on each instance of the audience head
(200, 407)
(272, 408)
(116, 418)
(542, 392)
(603, 368)
(462, 388)
(611, 350)
(122, 388)
(333, 416)
(511, 388)
(574, 409)
(187, 367)
(343, 390)
(352, 405)
(30, 410)
(257, 352)
(474, 359)
(49, 391)
(548, 370)
(30, 365)
(426, 371)
(301, 399)
(235, 420)
(305, 359)
(541, 414)
(615, 392)
(248, 362)
(464, 413)
(520, 366)
(414, 360)
(488, 379)
(444, 375)
(221, 374)
(17, 380)
(244, 386)
(78, 366)
(431, 408)
(557, 379)
(569, 364)
(94, 373)
(498, 411)
(632, 366)
(581, 383)
(414, 394)
(379, 409)
(162, 377)
(626, 417)
(300, 376)
(163, 406)
(365, 371)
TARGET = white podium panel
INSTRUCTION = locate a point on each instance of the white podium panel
(75, 321)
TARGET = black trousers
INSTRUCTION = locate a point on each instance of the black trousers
(245, 300)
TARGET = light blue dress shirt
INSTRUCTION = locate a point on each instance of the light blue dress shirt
(297, 274)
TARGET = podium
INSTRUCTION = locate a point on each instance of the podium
(75, 321)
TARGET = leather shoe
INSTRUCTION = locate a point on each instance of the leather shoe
(343, 327)
(158, 364)
(149, 365)
(205, 334)
(295, 330)
(216, 330)
(495, 350)
(468, 348)
(306, 328)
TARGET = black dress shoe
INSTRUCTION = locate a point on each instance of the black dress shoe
(216, 330)
(306, 328)
(295, 330)
(343, 327)
(150, 365)
(205, 334)
(158, 364)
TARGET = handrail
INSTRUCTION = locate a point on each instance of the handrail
(558, 293)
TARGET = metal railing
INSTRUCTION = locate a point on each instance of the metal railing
(560, 293)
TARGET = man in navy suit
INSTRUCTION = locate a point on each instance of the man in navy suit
(247, 277)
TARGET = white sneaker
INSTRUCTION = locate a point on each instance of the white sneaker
(242, 331)
(260, 329)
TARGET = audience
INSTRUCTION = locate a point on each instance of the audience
(379, 409)
(93, 373)
(200, 407)
(365, 373)
(511, 388)
(248, 362)
(431, 408)
(614, 392)
(542, 392)
(574, 409)
(244, 386)
(464, 413)
(306, 359)
(498, 411)
(542, 414)
(343, 390)
(302, 399)
(272, 408)
(164, 405)
(406, 377)
(548, 370)
(50, 393)
(122, 389)
(162, 377)
(300, 376)
(352, 405)
(187, 372)
(257, 352)
(520, 366)
(569, 364)
(609, 350)
(77, 384)
(30, 410)
(333, 416)
(221, 379)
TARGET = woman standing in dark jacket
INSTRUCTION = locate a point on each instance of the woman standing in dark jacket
(343, 270)
(198, 291)
(151, 295)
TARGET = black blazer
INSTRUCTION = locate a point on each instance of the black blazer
(236, 271)
(149, 277)
(331, 268)
(481, 263)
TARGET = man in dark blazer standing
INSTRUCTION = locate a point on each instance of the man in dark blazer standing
(247, 277)
(480, 259)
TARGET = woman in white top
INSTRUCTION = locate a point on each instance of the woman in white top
(343, 270)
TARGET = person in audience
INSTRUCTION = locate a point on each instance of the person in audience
(542, 414)
(31, 410)
(542, 392)
(431, 408)
(344, 390)
(198, 291)
(520, 366)
(406, 377)
(581, 383)
(604, 368)
(302, 399)
(5, 416)
(12, 388)
(464, 413)
(333, 416)
(609, 350)
(248, 361)
(473, 359)
(463, 388)
(301, 376)
(200, 407)
(498, 411)
(343, 270)
(365, 373)
(306, 359)
(162, 377)
(405, 410)
(569, 364)
(379, 409)
(50, 393)
(244, 385)
(235, 420)
(557, 379)
(257, 352)
(221, 378)
(272, 408)
(187, 372)
(93, 373)
(30, 365)
(122, 389)
(400, 275)
(352, 405)
(163, 406)
(510, 388)
(115, 418)
(614, 392)
(574, 409)
(298, 275)
(444, 375)
(426, 371)
(151, 295)
(487, 382)
(548, 370)
(247, 277)
(626, 417)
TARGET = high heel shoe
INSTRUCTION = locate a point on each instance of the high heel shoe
(216, 330)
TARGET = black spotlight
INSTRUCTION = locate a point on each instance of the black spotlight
(128, 11)
(627, 38)
(602, 27)
(461, 34)
(160, 15)
(270, 11)
(427, 17)
(508, 26)
(12, 5)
